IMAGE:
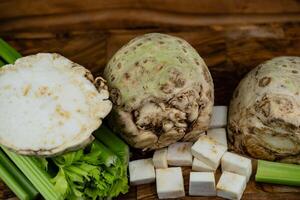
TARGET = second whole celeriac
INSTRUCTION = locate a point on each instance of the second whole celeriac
(264, 111)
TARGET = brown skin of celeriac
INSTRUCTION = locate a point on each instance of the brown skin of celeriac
(264, 113)
(161, 90)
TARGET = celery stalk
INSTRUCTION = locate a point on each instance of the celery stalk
(278, 173)
(11, 182)
(91, 174)
(1, 63)
(9, 54)
(117, 146)
(18, 180)
(114, 143)
(37, 176)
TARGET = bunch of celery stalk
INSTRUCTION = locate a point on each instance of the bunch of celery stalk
(97, 171)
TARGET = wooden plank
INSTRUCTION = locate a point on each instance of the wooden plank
(133, 18)
(88, 49)
(5, 193)
(25, 8)
(69, 15)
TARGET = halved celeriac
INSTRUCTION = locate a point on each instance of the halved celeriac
(49, 105)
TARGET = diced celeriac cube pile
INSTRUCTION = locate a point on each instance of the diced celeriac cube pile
(205, 156)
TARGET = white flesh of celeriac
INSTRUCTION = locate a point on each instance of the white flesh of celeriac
(169, 183)
(218, 134)
(231, 186)
(49, 105)
(208, 151)
(200, 166)
(179, 154)
(219, 117)
(141, 171)
(202, 184)
(234, 163)
(160, 158)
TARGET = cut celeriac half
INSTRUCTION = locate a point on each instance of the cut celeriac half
(49, 105)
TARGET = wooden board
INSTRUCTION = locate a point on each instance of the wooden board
(232, 36)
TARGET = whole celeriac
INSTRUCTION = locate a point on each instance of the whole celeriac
(264, 113)
(161, 89)
(49, 105)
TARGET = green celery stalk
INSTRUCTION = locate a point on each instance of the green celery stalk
(121, 149)
(113, 142)
(11, 182)
(278, 173)
(1, 63)
(36, 175)
(95, 173)
(9, 54)
(106, 154)
(18, 182)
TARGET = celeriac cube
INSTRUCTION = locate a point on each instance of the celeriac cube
(218, 134)
(208, 151)
(200, 166)
(219, 117)
(169, 183)
(231, 186)
(179, 154)
(234, 163)
(160, 158)
(202, 184)
(141, 171)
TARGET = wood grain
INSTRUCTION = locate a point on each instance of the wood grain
(233, 36)
(25, 8)
(69, 15)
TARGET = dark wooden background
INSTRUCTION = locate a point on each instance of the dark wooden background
(232, 36)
